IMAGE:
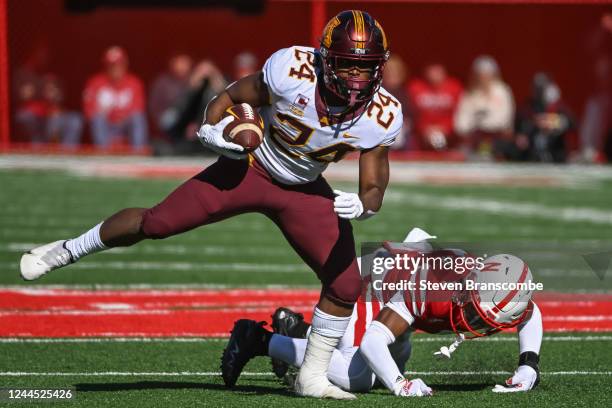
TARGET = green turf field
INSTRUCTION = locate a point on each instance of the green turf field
(41, 206)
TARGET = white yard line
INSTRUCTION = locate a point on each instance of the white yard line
(416, 339)
(264, 374)
(155, 286)
(505, 208)
(145, 266)
(193, 249)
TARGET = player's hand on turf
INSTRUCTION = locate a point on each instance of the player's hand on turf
(211, 137)
(524, 379)
(412, 388)
(347, 205)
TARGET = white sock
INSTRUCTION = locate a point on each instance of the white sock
(88, 243)
(328, 325)
(325, 334)
(375, 350)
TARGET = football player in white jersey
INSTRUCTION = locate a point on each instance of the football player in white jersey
(377, 342)
(318, 105)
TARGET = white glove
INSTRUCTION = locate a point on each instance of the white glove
(524, 379)
(347, 205)
(211, 137)
(412, 388)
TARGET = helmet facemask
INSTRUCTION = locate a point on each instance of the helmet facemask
(467, 315)
(339, 75)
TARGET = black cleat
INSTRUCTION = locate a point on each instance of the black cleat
(249, 339)
(291, 324)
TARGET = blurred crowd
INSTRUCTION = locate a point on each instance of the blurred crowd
(479, 117)
(117, 110)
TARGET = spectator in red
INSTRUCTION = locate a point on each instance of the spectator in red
(596, 126)
(41, 115)
(114, 102)
(434, 100)
(61, 123)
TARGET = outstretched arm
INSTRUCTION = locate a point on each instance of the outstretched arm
(527, 375)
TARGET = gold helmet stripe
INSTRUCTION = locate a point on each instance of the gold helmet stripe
(384, 36)
(359, 27)
(329, 29)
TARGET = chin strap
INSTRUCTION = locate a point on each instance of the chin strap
(353, 100)
(447, 351)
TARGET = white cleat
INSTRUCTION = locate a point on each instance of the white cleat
(320, 388)
(43, 259)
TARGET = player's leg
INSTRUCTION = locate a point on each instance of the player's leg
(250, 339)
(225, 188)
(401, 350)
(325, 242)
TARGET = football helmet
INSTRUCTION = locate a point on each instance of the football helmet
(479, 312)
(353, 39)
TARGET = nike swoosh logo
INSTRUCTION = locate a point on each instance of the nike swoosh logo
(347, 136)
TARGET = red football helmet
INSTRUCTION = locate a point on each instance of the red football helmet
(480, 312)
(353, 39)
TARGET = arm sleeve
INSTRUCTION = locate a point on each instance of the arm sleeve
(375, 350)
(530, 332)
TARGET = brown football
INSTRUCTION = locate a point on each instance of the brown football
(247, 129)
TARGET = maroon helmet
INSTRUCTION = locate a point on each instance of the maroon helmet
(353, 39)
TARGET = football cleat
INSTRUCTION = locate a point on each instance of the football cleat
(291, 324)
(249, 339)
(43, 259)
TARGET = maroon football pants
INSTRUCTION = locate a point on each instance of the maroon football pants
(304, 213)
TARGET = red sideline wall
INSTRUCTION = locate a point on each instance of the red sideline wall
(524, 37)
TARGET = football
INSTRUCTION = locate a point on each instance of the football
(247, 129)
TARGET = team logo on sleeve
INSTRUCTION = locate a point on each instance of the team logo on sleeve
(299, 104)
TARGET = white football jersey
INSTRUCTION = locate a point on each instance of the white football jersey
(299, 141)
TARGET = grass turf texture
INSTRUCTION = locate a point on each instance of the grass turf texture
(265, 390)
(39, 207)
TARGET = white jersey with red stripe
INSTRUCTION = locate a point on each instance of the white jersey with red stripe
(363, 313)
(300, 138)
(420, 309)
(427, 310)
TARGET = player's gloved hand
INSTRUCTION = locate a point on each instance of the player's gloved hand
(211, 137)
(349, 206)
(412, 388)
(525, 378)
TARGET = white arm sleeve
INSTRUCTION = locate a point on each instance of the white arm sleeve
(375, 350)
(530, 332)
